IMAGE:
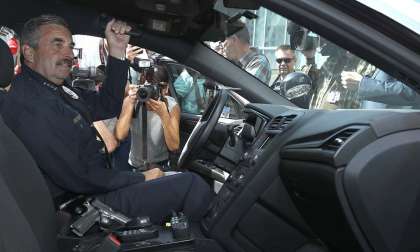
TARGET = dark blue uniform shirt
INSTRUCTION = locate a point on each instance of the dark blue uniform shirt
(58, 132)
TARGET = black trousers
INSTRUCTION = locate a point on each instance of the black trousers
(185, 192)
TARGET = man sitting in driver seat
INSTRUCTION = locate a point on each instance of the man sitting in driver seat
(54, 122)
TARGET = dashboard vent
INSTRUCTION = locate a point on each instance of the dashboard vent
(279, 124)
(338, 140)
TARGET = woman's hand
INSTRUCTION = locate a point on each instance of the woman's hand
(131, 97)
(159, 107)
(132, 52)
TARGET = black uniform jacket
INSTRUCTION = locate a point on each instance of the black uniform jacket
(56, 128)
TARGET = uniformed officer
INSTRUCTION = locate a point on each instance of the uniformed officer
(55, 124)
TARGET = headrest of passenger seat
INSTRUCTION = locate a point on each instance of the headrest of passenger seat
(6, 63)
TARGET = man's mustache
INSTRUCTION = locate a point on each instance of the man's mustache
(67, 62)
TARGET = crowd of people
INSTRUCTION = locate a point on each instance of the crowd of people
(344, 79)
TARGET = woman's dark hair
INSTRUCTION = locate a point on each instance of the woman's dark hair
(160, 74)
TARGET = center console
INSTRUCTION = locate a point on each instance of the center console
(233, 185)
(92, 224)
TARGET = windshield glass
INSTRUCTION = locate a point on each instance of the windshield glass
(307, 69)
(405, 12)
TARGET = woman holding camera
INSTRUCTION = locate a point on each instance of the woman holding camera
(163, 115)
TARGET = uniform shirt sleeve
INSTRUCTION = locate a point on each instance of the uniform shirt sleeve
(107, 102)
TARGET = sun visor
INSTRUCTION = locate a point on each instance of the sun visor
(175, 18)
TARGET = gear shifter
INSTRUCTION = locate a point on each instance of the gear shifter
(231, 134)
(248, 133)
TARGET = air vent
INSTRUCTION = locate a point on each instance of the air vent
(338, 140)
(279, 124)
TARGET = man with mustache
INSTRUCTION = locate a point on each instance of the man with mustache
(54, 122)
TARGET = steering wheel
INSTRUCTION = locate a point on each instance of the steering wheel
(203, 128)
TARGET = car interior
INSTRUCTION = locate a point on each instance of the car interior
(286, 178)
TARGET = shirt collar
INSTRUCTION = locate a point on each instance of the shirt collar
(39, 78)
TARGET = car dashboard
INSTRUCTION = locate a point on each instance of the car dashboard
(299, 178)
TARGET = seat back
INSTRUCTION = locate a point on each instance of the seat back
(27, 214)
(6, 63)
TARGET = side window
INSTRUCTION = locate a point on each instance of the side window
(193, 90)
(233, 110)
(309, 70)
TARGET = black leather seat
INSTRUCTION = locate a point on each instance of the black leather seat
(27, 215)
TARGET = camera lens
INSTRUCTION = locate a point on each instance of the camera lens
(148, 91)
(143, 93)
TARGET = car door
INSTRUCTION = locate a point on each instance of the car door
(193, 91)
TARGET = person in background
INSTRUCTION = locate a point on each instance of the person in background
(163, 118)
(191, 91)
(11, 38)
(106, 128)
(238, 49)
(380, 90)
(6, 61)
(286, 59)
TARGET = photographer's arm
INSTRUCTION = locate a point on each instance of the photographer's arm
(171, 128)
(124, 121)
(109, 138)
(170, 122)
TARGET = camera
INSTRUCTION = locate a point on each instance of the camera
(143, 63)
(302, 38)
(148, 91)
(87, 77)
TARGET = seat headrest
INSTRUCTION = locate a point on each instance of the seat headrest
(6, 63)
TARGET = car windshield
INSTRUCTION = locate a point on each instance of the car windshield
(307, 69)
